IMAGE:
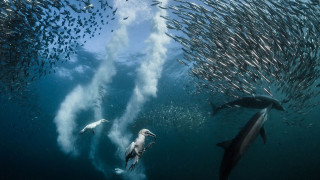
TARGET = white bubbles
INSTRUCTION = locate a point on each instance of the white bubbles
(89, 97)
(145, 85)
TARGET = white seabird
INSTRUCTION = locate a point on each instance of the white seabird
(136, 149)
(91, 126)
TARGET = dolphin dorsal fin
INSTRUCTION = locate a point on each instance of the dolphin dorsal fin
(263, 134)
(225, 144)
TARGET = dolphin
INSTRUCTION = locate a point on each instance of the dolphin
(136, 149)
(235, 148)
(91, 126)
(257, 102)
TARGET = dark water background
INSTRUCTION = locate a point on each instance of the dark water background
(185, 148)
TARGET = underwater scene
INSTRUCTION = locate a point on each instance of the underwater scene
(160, 89)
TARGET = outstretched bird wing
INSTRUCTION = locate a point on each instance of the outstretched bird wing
(130, 149)
(129, 152)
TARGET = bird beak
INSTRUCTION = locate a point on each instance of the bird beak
(151, 134)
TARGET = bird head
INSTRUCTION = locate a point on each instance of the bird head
(146, 132)
(104, 120)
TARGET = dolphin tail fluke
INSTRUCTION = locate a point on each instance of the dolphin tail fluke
(263, 135)
(224, 144)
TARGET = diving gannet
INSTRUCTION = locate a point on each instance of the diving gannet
(93, 125)
(136, 149)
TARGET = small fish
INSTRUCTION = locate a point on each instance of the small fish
(231, 48)
(156, 3)
(114, 12)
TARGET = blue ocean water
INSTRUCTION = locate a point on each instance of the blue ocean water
(36, 143)
(186, 132)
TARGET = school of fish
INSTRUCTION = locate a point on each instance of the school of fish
(254, 52)
(36, 35)
(244, 49)
(247, 47)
